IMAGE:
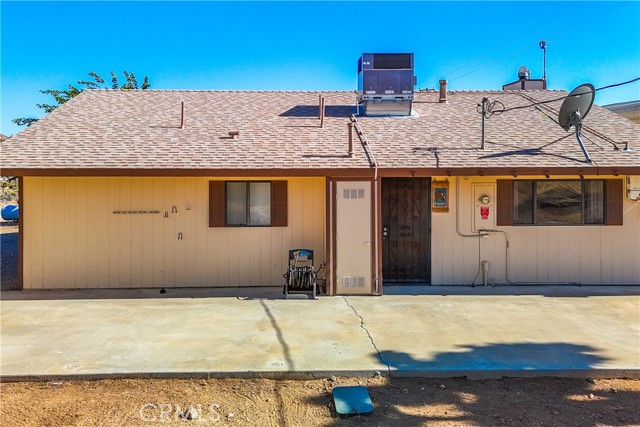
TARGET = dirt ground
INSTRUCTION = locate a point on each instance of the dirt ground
(262, 402)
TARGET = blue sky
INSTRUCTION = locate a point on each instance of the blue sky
(311, 45)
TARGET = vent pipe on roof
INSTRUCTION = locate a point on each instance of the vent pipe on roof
(485, 101)
(350, 139)
(182, 119)
(524, 73)
(443, 90)
(321, 101)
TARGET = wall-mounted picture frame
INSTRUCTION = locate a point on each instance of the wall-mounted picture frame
(440, 196)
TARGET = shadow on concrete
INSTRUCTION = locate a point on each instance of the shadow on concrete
(553, 357)
(242, 293)
(285, 347)
(491, 402)
(571, 291)
(275, 292)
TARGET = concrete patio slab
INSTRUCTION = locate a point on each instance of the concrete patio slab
(411, 331)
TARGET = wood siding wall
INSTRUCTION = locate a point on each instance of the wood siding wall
(72, 238)
(589, 254)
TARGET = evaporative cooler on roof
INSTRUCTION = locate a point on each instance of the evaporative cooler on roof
(385, 83)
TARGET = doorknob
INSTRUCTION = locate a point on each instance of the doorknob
(367, 243)
(385, 231)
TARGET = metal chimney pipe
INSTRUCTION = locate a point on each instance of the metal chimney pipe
(350, 139)
(182, 120)
(321, 111)
(485, 101)
(443, 90)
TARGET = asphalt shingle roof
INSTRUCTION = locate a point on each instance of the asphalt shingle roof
(127, 130)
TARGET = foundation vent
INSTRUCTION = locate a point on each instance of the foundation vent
(352, 282)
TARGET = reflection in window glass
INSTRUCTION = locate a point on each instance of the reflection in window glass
(236, 203)
(260, 203)
(594, 202)
(558, 202)
(561, 202)
(523, 202)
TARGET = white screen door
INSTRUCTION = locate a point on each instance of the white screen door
(353, 237)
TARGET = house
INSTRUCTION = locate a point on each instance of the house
(136, 189)
(629, 109)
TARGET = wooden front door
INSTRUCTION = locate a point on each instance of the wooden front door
(406, 231)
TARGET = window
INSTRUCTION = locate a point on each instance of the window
(247, 204)
(559, 202)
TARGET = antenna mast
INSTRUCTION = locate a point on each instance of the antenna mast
(543, 46)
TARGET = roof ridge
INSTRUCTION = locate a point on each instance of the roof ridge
(490, 91)
(218, 90)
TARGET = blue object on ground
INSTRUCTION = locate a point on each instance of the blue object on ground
(10, 212)
(352, 400)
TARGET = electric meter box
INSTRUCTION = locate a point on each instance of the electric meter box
(484, 208)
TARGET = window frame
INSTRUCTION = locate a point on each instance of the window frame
(278, 203)
(613, 209)
(247, 212)
(534, 203)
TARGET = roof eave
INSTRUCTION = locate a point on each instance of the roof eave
(330, 172)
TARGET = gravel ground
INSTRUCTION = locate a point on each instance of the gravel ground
(8, 255)
(406, 402)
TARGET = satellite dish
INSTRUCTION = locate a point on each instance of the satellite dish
(574, 109)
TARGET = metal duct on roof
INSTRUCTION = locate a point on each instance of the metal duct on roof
(385, 83)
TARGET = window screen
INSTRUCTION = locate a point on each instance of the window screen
(259, 203)
(559, 202)
(248, 203)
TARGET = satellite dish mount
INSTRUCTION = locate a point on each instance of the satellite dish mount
(574, 109)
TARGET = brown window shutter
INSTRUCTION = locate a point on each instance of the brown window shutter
(614, 193)
(216, 204)
(279, 206)
(504, 213)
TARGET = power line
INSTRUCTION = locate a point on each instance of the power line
(525, 48)
(497, 108)
(481, 57)
(590, 18)
(567, 96)
(618, 84)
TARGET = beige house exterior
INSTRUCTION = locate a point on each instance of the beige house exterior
(91, 247)
(120, 189)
